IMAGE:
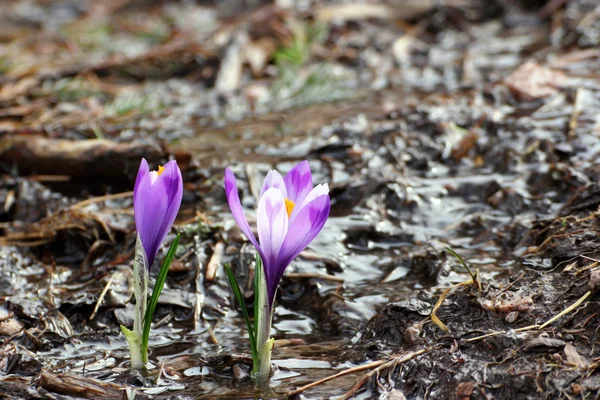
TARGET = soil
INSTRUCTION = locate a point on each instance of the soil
(464, 124)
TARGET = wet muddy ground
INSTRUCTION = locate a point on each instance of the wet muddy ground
(469, 124)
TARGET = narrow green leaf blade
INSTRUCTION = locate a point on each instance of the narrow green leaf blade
(240, 299)
(158, 287)
(462, 261)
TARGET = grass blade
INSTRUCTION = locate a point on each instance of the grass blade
(240, 299)
(459, 258)
(158, 287)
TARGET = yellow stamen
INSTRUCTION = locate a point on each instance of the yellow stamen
(161, 169)
(289, 206)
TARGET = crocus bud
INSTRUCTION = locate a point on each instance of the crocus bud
(156, 201)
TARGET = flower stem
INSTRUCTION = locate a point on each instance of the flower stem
(263, 318)
(139, 353)
(135, 348)
(261, 377)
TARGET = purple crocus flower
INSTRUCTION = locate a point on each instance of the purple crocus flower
(156, 200)
(291, 212)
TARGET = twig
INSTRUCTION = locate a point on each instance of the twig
(567, 310)
(575, 114)
(339, 374)
(213, 337)
(214, 262)
(523, 329)
(50, 178)
(379, 365)
(392, 363)
(160, 371)
(586, 268)
(99, 199)
(102, 294)
(438, 304)
(511, 284)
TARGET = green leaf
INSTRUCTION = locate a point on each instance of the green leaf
(455, 254)
(158, 287)
(240, 299)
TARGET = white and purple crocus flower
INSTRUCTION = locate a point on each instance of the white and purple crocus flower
(156, 200)
(291, 212)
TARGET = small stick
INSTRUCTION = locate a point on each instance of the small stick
(50, 178)
(438, 304)
(391, 363)
(160, 371)
(341, 373)
(98, 199)
(101, 297)
(575, 114)
(587, 267)
(510, 284)
(567, 310)
(375, 364)
(523, 329)
(213, 337)
(214, 262)
(198, 312)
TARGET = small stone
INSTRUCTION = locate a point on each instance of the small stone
(464, 390)
(125, 315)
(10, 327)
(531, 81)
(413, 333)
(594, 282)
(543, 343)
(512, 317)
(240, 371)
(121, 288)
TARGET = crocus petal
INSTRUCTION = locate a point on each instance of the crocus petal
(170, 183)
(142, 174)
(149, 208)
(235, 205)
(319, 190)
(273, 180)
(305, 227)
(153, 176)
(156, 202)
(298, 182)
(272, 224)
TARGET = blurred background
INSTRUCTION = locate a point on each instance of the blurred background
(472, 122)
